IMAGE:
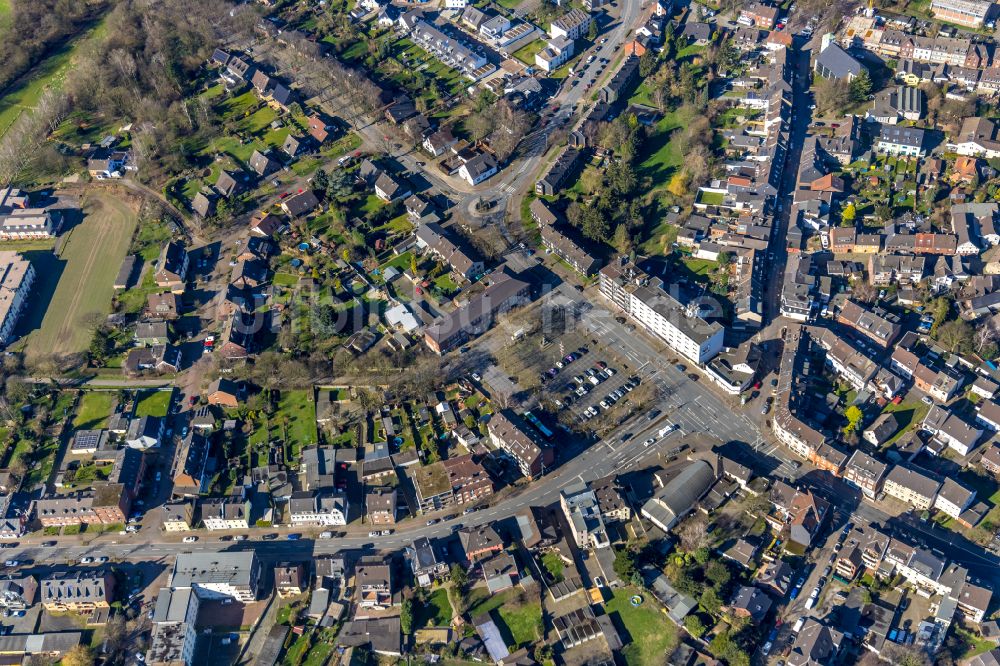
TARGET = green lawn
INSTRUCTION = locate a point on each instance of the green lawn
(518, 624)
(711, 198)
(554, 565)
(296, 419)
(526, 54)
(434, 612)
(701, 266)
(94, 410)
(909, 414)
(285, 279)
(660, 153)
(153, 403)
(648, 634)
(76, 287)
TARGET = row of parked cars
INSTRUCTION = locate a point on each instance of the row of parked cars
(552, 372)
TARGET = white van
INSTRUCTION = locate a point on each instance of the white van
(798, 624)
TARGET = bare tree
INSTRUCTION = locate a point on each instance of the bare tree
(985, 336)
(693, 534)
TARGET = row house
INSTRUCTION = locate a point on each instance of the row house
(865, 472)
(877, 324)
(912, 486)
(885, 269)
(849, 363)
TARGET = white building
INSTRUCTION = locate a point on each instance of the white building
(583, 513)
(953, 498)
(306, 508)
(556, 53)
(572, 25)
(234, 575)
(225, 513)
(643, 298)
(17, 276)
(478, 169)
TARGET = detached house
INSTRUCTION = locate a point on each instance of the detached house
(172, 267)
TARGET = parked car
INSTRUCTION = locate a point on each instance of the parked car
(190, 539)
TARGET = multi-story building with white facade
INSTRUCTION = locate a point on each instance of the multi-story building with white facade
(953, 498)
(17, 276)
(309, 508)
(556, 53)
(644, 299)
(571, 25)
(217, 575)
(583, 513)
(225, 513)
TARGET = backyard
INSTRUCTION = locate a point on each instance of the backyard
(648, 635)
(94, 410)
(153, 403)
(519, 620)
(296, 420)
(434, 611)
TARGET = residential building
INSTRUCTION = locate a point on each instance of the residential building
(949, 428)
(455, 481)
(145, 432)
(816, 644)
(17, 277)
(438, 143)
(557, 52)
(568, 250)
(324, 509)
(911, 485)
(380, 506)
(865, 472)
(171, 267)
(879, 325)
(901, 141)
(218, 575)
(479, 542)
(225, 513)
(373, 580)
(750, 602)
(427, 566)
(583, 514)
(433, 238)
(643, 298)
(290, 579)
(478, 169)
(758, 15)
(559, 172)
(572, 25)
(990, 460)
(953, 498)
(78, 592)
(509, 433)
(979, 137)
(18, 592)
(881, 429)
(177, 516)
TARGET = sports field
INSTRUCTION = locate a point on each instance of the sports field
(75, 288)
